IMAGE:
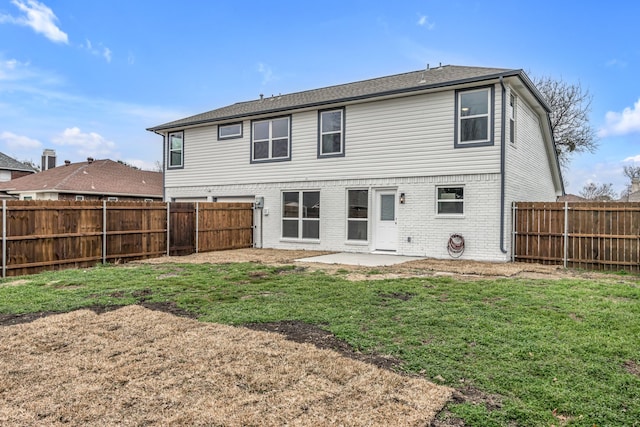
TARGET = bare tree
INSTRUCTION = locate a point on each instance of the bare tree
(570, 107)
(598, 192)
(31, 164)
(158, 166)
(632, 172)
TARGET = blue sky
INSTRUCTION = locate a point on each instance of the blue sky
(86, 78)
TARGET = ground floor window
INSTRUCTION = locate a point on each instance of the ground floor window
(301, 214)
(357, 214)
(451, 200)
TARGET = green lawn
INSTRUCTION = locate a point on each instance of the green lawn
(561, 352)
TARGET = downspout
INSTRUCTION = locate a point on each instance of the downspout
(502, 165)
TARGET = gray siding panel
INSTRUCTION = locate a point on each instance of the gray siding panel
(409, 136)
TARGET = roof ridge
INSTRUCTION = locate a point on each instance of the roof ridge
(402, 83)
(82, 166)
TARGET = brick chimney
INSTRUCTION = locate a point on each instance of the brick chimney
(48, 159)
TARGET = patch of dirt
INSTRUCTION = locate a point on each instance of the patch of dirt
(402, 296)
(466, 394)
(632, 367)
(140, 367)
(455, 268)
(301, 332)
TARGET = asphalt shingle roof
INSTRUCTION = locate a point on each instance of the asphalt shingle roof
(9, 163)
(96, 177)
(396, 84)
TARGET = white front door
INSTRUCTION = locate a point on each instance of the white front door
(386, 231)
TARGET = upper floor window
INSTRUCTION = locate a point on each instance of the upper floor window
(331, 133)
(512, 118)
(175, 157)
(474, 111)
(270, 140)
(232, 130)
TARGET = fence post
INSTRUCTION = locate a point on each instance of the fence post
(566, 234)
(168, 227)
(197, 219)
(4, 238)
(514, 213)
(104, 232)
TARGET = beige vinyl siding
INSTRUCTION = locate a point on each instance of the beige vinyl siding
(408, 136)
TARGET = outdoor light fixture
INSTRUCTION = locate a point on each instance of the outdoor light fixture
(402, 198)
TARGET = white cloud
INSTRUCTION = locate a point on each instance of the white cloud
(423, 21)
(106, 52)
(616, 63)
(100, 50)
(39, 17)
(86, 144)
(628, 121)
(131, 59)
(19, 142)
(267, 73)
(635, 158)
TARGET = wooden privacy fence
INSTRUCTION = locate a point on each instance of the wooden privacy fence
(588, 235)
(47, 235)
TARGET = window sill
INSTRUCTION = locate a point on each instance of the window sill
(357, 242)
(450, 216)
(289, 240)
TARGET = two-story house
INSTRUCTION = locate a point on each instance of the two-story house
(396, 164)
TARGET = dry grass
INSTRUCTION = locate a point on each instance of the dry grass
(135, 366)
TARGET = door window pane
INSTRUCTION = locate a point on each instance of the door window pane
(387, 207)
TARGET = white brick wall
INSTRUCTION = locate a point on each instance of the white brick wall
(417, 218)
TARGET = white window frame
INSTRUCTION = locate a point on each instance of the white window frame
(79, 198)
(170, 150)
(112, 199)
(301, 218)
(450, 200)
(238, 134)
(489, 90)
(350, 219)
(270, 140)
(321, 133)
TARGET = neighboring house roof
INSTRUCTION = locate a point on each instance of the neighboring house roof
(443, 76)
(634, 197)
(572, 198)
(90, 177)
(9, 163)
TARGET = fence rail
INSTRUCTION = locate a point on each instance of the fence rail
(46, 235)
(593, 236)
